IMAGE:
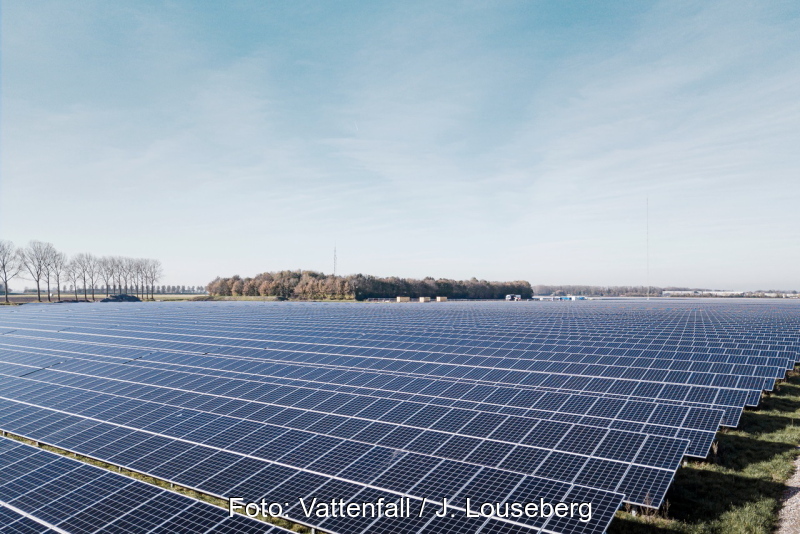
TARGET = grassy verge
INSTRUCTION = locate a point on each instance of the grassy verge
(738, 488)
(187, 296)
(214, 297)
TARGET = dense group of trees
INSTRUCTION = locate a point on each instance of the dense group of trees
(47, 267)
(316, 285)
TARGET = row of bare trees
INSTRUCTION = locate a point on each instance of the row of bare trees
(46, 266)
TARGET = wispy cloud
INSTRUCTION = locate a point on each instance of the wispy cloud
(519, 141)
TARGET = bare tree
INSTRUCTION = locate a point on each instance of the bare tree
(74, 274)
(136, 275)
(144, 265)
(125, 268)
(92, 272)
(34, 258)
(133, 270)
(49, 253)
(10, 264)
(46, 265)
(153, 271)
(126, 264)
(141, 272)
(84, 263)
(58, 269)
(118, 272)
(105, 267)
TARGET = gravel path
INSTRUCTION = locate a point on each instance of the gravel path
(789, 518)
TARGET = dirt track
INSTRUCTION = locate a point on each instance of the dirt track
(789, 518)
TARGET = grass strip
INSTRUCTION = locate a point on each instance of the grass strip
(738, 488)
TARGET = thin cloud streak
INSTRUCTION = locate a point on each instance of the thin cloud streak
(424, 141)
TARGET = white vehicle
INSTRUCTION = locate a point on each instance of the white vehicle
(513, 297)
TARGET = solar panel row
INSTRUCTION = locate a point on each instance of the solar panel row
(588, 380)
(44, 492)
(498, 329)
(665, 420)
(366, 337)
(740, 376)
(493, 402)
(566, 452)
(473, 353)
(698, 424)
(327, 473)
(16, 522)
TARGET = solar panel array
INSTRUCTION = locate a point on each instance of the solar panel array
(496, 402)
(44, 492)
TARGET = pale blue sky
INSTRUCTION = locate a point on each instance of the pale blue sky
(500, 140)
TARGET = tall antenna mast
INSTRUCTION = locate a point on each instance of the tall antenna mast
(647, 243)
(334, 259)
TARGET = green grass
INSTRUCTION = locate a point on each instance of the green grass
(738, 488)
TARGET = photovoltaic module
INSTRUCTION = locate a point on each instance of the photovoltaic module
(355, 418)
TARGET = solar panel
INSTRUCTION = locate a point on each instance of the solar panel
(44, 492)
(16, 522)
(729, 399)
(545, 406)
(597, 400)
(284, 477)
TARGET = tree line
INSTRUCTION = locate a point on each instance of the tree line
(606, 291)
(46, 266)
(316, 285)
(157, 290)
(596, 291)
